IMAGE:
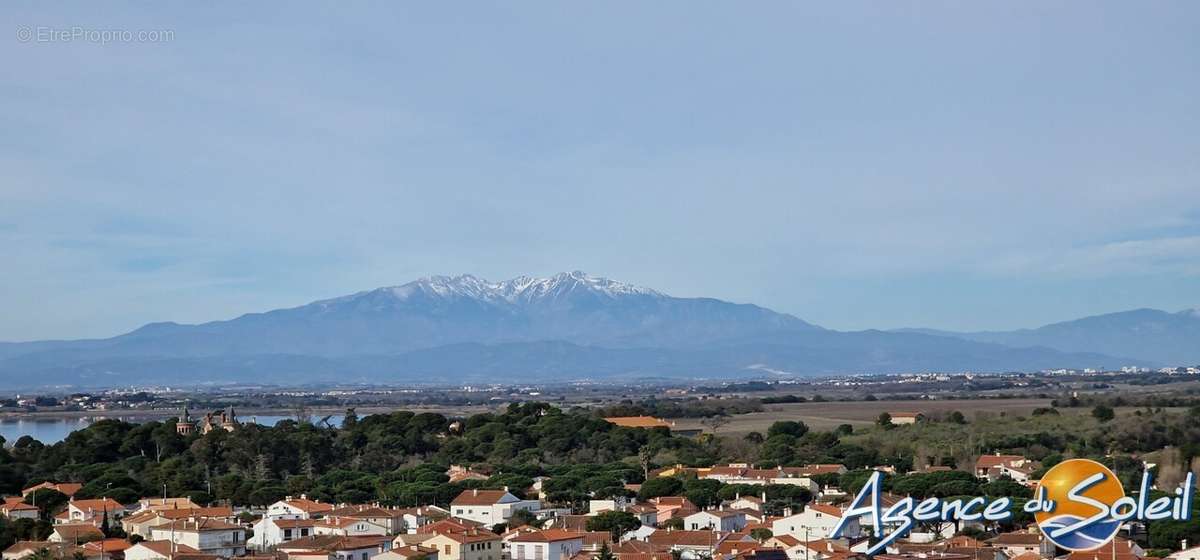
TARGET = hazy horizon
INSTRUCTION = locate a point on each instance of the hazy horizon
(858, 165)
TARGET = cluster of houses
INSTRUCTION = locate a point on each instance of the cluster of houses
(479, 525)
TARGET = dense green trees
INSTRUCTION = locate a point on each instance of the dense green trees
(398, 458)
(663, 486)
(616, 523)
(401, 458)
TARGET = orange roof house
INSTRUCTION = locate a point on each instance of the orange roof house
(66, 488)
(478, 497)
(639, 422)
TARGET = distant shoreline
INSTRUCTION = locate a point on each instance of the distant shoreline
(154, 414)
(243, 413)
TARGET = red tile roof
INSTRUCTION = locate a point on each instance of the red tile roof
(197, 525)
(98, 505)
(638, 422)
(15, 503)
(1117, 549)
(108, 545)
(449, 526)
(549, 535)
(826, 509)
(685, 538)
(478, 497)
(78, 532)
(308, 506)
(67, 488)
(990, 461)
(474, 535)
(163, 548)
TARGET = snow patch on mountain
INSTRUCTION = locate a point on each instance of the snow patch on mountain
(522, 289)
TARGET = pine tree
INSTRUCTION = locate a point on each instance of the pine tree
(605, 553)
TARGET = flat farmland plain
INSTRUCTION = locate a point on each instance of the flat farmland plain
(828, 415)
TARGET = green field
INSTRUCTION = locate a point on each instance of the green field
(828, 415)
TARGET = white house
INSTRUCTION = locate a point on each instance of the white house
(408, 553)
(75, 533)
(411, 519)
(551, 544)
(93, 511)
(645, 513)
(146, 504)
(795, 548)
(489, 507)
(1020, 542)
(16, 508)
(349, 527)
(815, 522)
(332, 547)
(208, 535)
(618, 503)
(270, 531)
(715, 520)
(158, 550)
(997, 466)
(298, 508)
(748, 502)
(395, 520)
(691, 545)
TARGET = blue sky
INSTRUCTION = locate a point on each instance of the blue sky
(885, 164)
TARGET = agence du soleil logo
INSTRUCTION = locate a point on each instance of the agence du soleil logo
(1079, 505)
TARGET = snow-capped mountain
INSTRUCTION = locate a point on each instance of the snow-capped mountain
(521, 290)
(467, 328)
(435, 311)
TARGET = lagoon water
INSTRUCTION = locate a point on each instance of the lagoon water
(54, 430)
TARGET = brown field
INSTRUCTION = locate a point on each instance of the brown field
(828, 415)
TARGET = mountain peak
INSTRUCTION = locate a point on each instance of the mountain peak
(521, 288)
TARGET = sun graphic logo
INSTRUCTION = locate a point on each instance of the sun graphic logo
(1080, 494)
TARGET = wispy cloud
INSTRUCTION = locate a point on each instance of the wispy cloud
(1168, 255)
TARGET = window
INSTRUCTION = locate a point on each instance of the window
(287, 533)
(520, 552)
(537, 553)
(447, 550)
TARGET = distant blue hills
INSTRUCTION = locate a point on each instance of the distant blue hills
(1150, 335)
(447, 330)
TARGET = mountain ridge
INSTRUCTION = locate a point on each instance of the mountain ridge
(1149, 334)
(564, 326)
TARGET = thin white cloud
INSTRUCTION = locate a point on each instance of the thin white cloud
(1167, 255)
